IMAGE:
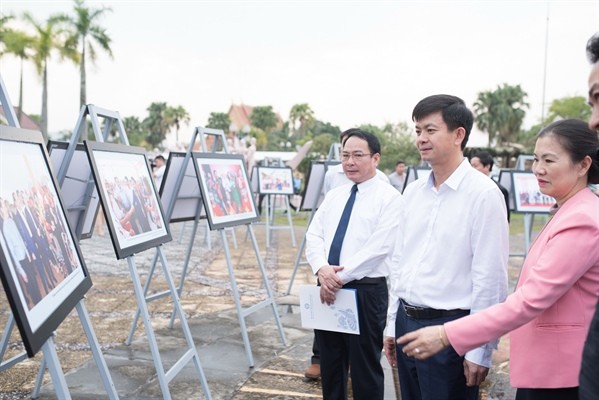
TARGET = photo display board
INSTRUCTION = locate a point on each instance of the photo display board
(78, 191)
(313, 194)
(225, 189)
(527, 195)
(133, 211)
(275, 180)
(190, 194)
(505, 180)
(42, 270)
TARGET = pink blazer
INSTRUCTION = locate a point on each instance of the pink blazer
(550, 311)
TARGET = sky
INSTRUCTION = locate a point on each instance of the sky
(353, 62)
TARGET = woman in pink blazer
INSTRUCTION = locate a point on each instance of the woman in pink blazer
(549, 313)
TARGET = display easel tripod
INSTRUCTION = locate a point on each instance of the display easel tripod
(50, 356)
(200, 134)
(111, 119)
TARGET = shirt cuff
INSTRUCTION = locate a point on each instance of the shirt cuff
(480, 356)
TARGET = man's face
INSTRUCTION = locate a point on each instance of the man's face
(436, 143)
(360, 164)
(400, 169)
(594, 96)
(478, 165)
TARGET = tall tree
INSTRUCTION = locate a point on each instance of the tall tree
(156, 123)
(87, 34)
(174, 117)
(49, 37)
(219, 120)
(20, 45)
(135, 131)
(264, 118)
(569, 107)
(500, 112)
(303, 114)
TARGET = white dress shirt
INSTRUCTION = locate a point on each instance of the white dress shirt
(455, 248)
(371, 232)
(336, 177)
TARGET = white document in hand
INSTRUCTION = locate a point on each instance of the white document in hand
(341, 316)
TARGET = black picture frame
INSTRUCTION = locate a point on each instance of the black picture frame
(129, 198)
(79, 192)
(528, 198)
(189, 196)
(275, 180)
(42, 270)
(226, 190)
(505, 180)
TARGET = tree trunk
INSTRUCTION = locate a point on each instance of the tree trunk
(82, 92)
(44, 115)
(20, 113)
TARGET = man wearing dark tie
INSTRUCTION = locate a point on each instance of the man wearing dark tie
(348, 245)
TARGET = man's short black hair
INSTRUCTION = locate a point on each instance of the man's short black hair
(453, 110)
(593, 48)
(374, 145)
(485, 159)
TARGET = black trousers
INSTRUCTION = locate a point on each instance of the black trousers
(340, 351)
(589, 370)
(547, 394)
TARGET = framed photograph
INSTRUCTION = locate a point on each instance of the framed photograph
(527, 196)
(133, 211)
(41, 267)
(78, 188)
(505, 180)
(313, 194)
(275, 180)
(225, 189)
(524, 162)
(189, 196)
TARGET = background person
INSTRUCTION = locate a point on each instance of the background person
(483, 162)
(398, 177)
(589, 371)
(549, 313)
(361, 262)
(452, 260)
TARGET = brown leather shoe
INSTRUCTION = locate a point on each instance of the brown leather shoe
(313, 372)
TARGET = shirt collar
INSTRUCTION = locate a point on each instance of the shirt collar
(367, 184)
(456, 176)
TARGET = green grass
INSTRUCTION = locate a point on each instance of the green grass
(517, 223)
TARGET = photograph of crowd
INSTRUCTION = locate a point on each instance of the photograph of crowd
(273, 180)
(128, 195)
(41, 264)
(528, 198)
(225, 189)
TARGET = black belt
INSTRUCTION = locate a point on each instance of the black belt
(367, 281)
(429, 313)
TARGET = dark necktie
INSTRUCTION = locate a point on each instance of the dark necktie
(335, 250)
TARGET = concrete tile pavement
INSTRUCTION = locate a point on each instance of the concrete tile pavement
(213, 321)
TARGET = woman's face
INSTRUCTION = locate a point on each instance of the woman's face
(557, 175)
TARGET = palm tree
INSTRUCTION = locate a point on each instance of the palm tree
(87, 35)
(174, 116)
(48, 38)
(19, 44)
(501, 112)
(303, 114)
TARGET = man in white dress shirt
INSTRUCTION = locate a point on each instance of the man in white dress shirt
(363, 265)
(452, 259)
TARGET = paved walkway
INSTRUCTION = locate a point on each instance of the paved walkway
(213, 320)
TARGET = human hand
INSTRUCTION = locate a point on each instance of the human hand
(425, 342)
(389, 346)
(475, 374)
(330, 283)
